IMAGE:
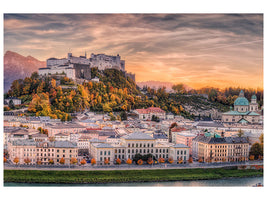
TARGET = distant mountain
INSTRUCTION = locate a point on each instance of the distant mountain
(158, 84)
(17, 66)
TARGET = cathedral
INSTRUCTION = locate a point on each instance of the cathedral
(244, 112)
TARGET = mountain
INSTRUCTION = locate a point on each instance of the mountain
(17, 66)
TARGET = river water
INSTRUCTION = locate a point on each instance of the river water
(238, 182)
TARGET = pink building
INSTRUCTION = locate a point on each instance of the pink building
(185, 137)
(146, 114)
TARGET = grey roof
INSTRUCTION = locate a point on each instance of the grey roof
(104, 145)
(65, 144)
(66, 126)
(209, 124)
(138, 136)
(39, 135)
(96, 140)
(25, 142)
(180, 146)
(224, 140)
(160, 136)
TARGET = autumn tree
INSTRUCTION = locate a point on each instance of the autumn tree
(27, 161)
(179, 88)
(5, 160)
(140, 162)
(93, 161)
(200, 160)
(180, 161)
(106, 161)
(251, 157)
(38, 162)
(161, 160)
(51, 161)
(170, 160)
(240, 133)
(129, 161)
(150, 161)
(62, 161)
(16, 160)
(190, 160)
(73, 161)
(118, 161)
(83, 162)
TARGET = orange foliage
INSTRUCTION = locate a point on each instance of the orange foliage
(223, 159)
(51, 161)
(129, 161)
(39, 162)
(16, 160)
(106, 161)
(73, 161)
(5, 160)
(180, 161)
(118, 161)
(140, 162)
(62, 161)
(251, 157)
(93, 161)
(150, 161)
(83, 162)
(200, 160)
(260, 157)
(161, 160)
(27, 160)
(170, 160)
(190, 160)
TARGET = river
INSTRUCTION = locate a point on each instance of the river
(238, 182)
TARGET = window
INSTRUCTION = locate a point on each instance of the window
(156, 150)
(57, 150)
(160, 150)
(151, 145)
(144, 145)
(140, 145)
(132, 144)
(122, 150)
(116, 150)
(105, 153)
(151, 150)
(101, 153)
(108, 152)
(184, 152)
(148, 145)
(128, 144)
(119, 151)
(163, 150)
(128, 150)
(70, 151)
(132, 150)
(136, 145)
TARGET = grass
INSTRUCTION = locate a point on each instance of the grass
(120, 176)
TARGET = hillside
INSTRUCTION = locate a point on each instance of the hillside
(17, 66)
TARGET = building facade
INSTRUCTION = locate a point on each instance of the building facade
(146, 114)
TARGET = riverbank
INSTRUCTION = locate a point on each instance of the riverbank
(122, 176)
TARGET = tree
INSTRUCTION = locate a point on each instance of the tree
(256, 150)
(179, 88)
(200, 160)
(123, 116)
(27, 160)
(190, 160)
(150, 161)
(129, 161)
(38, 162)
(11, 104)
(223, 160)
(51, 161)
(73, 161)
(5, 160)
(16, 160)
(83, 162)
(62, 161)
(140, 162)
(251, 157)
(240, 133)
(155, 118)
(93, 161)
(180, 161)
(161, 160)
(170, 160)
(106, 161)
(118, 161)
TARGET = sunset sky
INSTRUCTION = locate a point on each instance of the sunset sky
(195, 49)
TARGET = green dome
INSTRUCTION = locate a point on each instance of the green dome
(253, 96)
(241, 101)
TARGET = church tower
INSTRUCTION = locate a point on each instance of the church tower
(253, 106)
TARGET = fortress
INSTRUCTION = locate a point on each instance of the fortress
(80, 67)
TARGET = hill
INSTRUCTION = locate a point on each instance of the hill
(17, 66)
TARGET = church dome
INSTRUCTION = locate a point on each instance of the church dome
(241, 101)
(253, 96)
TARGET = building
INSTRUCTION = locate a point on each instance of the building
(72, 67)
(65, 128)
(41, 151)
(146, 114)
(136, 143)
(220, 149)
(102, 62)
(186, 137)
(244, 112)
(11, 100)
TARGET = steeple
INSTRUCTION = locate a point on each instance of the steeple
(241, 94)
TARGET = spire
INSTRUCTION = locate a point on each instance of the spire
(85, 54)
(241, 94)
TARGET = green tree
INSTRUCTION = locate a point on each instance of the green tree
(256, 150)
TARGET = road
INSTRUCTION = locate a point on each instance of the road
(88, 167)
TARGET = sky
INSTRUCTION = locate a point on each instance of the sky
(199, 50)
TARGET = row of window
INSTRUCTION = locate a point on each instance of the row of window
(140, 145)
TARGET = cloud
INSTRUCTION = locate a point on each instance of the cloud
(195, 48)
